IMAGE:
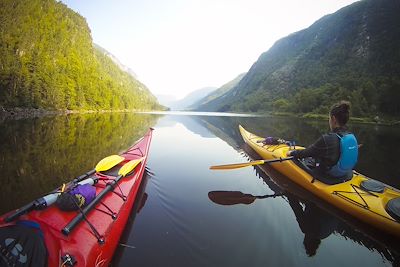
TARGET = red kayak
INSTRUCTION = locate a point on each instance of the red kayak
(41, 234)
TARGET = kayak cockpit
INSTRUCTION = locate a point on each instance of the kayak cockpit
(22, 244)
(308, 165)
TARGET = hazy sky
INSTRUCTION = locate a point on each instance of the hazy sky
(178, 46)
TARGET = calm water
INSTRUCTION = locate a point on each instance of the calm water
(189, 215)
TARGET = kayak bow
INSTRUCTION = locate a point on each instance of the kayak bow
(91, 235)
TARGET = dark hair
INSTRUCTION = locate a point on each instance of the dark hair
(341, 111)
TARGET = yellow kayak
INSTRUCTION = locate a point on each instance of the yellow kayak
(368, 200)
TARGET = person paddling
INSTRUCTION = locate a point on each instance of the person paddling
(335, 153)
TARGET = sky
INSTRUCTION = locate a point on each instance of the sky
(178, 46)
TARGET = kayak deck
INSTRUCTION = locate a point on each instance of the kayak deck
(349, 196)
(94, 240)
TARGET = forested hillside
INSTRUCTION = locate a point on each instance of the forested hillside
(48, 61)
(352, 54)
(207, 103)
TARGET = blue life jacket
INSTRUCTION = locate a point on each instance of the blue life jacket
(348, 156)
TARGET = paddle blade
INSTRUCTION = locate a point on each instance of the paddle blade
(129, 167)
(108, 162)
(230, 197)
(237, 165)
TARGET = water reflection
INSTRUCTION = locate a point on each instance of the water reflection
(191, 216)
(316, 223)
(376, 159)
(140, 202)
(197, 217)
(318, 220)
(229, 198)
(39, 154)
(313, 222)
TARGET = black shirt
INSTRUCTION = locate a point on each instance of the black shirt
(325, 151)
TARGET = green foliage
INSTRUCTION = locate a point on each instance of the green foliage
(308, 100)
(281, 105)
(207, 103)
(47, 60)
(353, 54)
(45, 152)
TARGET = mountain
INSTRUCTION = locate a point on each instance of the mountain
(190, 99)
(48, 61)
(353, 54)
(116, 60)
(166, 100)
(208, 104)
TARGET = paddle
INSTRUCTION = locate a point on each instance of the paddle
(125, 169)
(108, 162)
(235, 197)
(246, 164)
(49, 199)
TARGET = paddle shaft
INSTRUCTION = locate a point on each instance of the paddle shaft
(78, 218)
(83, 176)
(43, 202)
(277, 160)
(268, 196)
(247, 164)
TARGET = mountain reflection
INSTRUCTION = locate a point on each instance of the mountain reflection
(317, 220)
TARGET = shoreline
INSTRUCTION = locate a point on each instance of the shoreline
(364, 120)
(25, 113)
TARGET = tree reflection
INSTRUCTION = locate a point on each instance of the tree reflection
(39, 154)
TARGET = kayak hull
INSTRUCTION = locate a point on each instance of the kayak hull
(349, 196)
(108, 218)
